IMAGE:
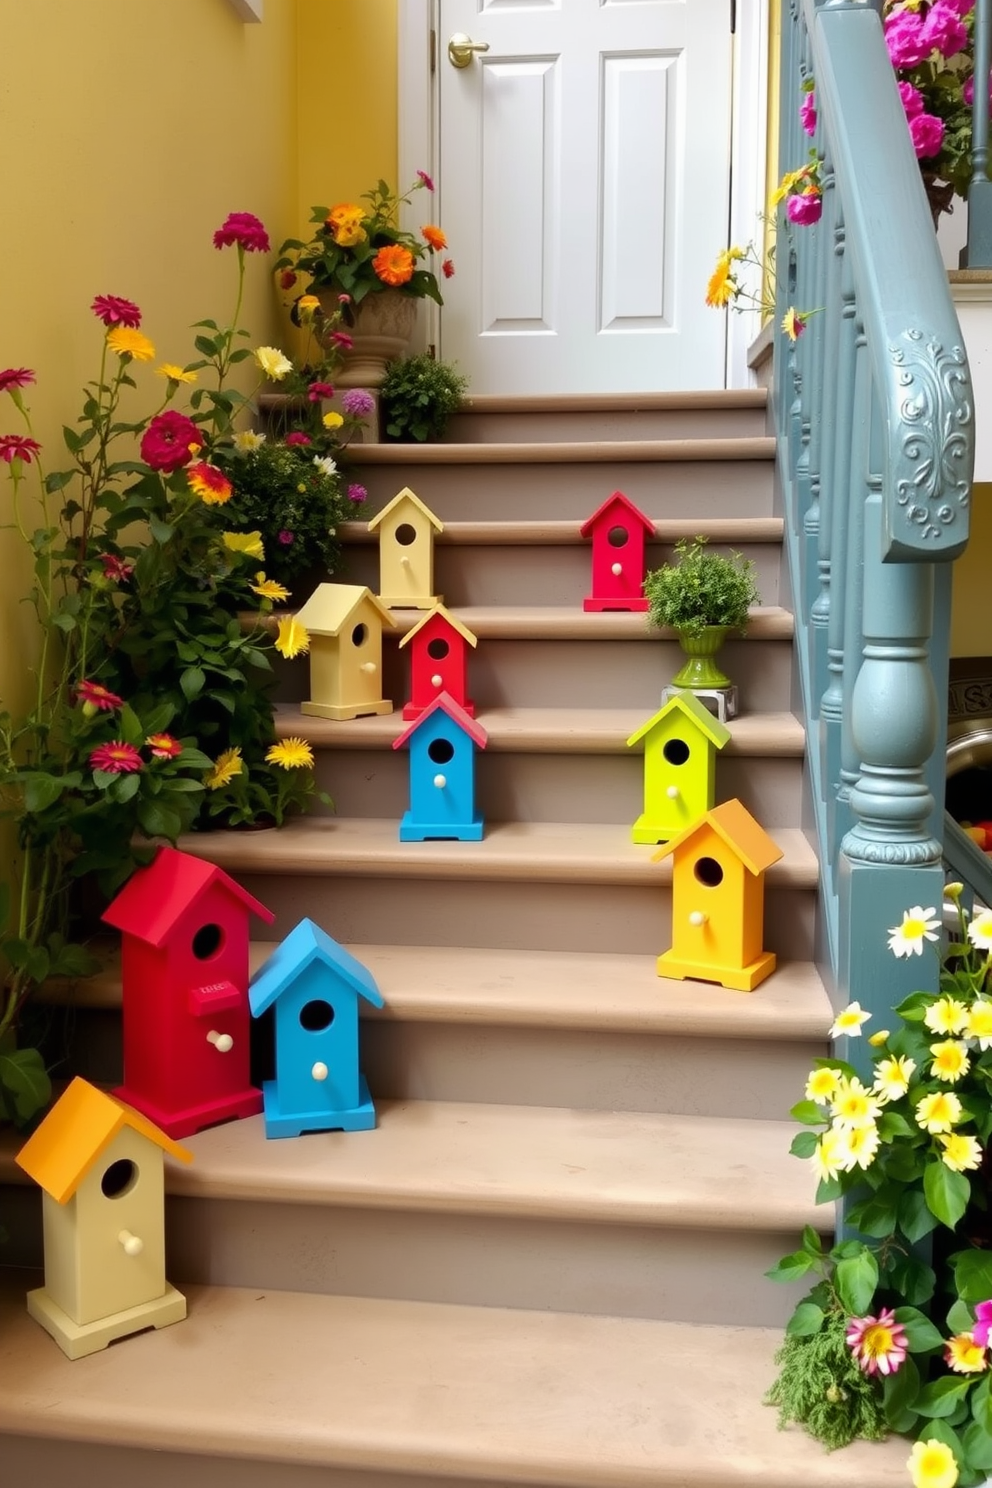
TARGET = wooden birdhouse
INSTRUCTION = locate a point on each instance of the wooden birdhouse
(680, 744)
(718, 895)
(345, 623)
(406, 530)
(439, 647)
(100, 1166)
(315, 986)
(619, 532)
(442, 742)
(184, 966)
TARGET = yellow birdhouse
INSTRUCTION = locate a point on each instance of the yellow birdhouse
(718, 896)
(101, 1168)
(680, 744)
(345, 623)
(406, 530)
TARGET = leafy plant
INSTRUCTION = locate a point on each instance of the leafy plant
(292, 499)
(419, 395)
(701, 589)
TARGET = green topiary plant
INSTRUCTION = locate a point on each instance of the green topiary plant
(701, 589)
(419, 395)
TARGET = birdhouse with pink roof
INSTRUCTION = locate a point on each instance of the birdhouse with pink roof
(406, 529)
(619, 533)
(442, 743)
(439, 648)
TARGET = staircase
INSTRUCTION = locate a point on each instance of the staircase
(545, 1266)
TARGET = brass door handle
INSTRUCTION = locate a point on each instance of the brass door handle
(462, 48)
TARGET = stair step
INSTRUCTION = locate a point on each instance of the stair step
(555, 534)
(397, 1394)
(493, 417)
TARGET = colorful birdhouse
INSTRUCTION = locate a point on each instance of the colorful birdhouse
(442, 742)
(184, 967)
(718, 896)
(100, 1167)
(619, 532)
(315, 986)
(406, 530)
(680, 744)
(345, 623)
(438, 661)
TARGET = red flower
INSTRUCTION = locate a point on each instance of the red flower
(15, 377)
(244, 229)
(425, 180)
(116, 758)
(298, 437)
(164, 746)
(165, 443)
(115, 568)
(18, 447)
(113, 311)
(287, 279)
(95, 695)
(340, 338)
(447, 268)
(210, 483)
(318, 390)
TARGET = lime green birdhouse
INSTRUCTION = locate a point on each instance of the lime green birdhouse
(680, 744)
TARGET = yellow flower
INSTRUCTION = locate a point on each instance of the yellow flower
(829, 1155)
(822, 1085)
(785, 186)
(226, 766)
(849, 1020)
(345, 224)
(950, 1060)
(980, 1023)
(332, 420)
(892, 1077)
(980, 930)
(247, 441)
(174, 373)
(961, 1152)
(721, 288)
(939, 1112)
(946, 1015)
(953, 891)
(272, 362)
(853, 1105)
(124, 341)
(858, 1145)
(307, 306)
(918, 925)
(964, 1355)
(878, 1039)
(292, 639)
(932, 1464)
(290, 754)
(249, 543)
(268, 588)
(794, 323)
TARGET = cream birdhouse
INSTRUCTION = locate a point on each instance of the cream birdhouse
(406, 530)
(101, 1168)
(345, 623)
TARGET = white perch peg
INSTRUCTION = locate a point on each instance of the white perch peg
(369, 667)
(440, 781)
(616, 570)
(319, 1070)
(222, 1042)
(404, 560)
(698, 918)
(437, 680)
(672, 792)
(132, 1245)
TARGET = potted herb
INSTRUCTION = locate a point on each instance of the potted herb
(419, 395)
(701, 596)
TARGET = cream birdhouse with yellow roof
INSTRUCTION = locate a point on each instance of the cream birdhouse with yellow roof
(100, 1166)
(406, 529)
(345, 624)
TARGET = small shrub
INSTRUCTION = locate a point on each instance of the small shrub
(419, 395)
(701, 589)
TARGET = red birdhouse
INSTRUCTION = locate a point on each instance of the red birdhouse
(184, 925)
(619, 532)
(438, 661)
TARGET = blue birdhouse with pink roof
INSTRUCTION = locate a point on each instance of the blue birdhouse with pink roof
(315, 986)
(442, 743)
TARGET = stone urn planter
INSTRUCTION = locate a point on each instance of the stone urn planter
(382, 326)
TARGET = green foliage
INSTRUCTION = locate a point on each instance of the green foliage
(293, 497)
(419, 395)
(820, 1387)
(701, 588)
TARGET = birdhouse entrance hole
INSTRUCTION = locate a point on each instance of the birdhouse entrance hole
(440, 751)
(317, 1015)
(359, 635)
(676, 751)
(709, 872)
(207, 942)
(617, 537)
(438, 648)
(406, 534)
(119, 1179)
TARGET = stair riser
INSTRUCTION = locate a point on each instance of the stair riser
(659, 423)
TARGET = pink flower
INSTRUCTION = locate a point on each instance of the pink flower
(983, 1324)
(116, 758)
(927, 134)
(94, 695)
(968, 91)
(297, 437)
(425, 180)
(244, 229)
(806, 207)
(164, 746)
(18, 447)
(115, 568)
(340, 338)
(359, 493)
(943, 31)
(287, 279)
(318, 390)
(447, 268)
(878, 1343)
(287, 538)
(113, 311)
(344, 299)
(165, 444)
(807, 113)
(357, 403)
(912, 99)
(904, 39)
(15, 377)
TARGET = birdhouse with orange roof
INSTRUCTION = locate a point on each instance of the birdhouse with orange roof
(184, 970)
(406, 529)
(680, 745)
(442, 743)
(345, 623)
(718, 873)
(619, 533)
(439, 646)
(100, 1165)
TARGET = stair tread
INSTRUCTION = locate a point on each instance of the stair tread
(584, 452)
(562, 623)
(489, 1394)
(551, 852)
(613, 402)
(557, 533)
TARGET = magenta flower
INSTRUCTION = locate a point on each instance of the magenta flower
(116, 758)
(165, 444)
(806, 207)
(318, 390)
(968, 92)
(912, 99)
(879, 1344)
(927, 134)
(245, 229)
(18, 447)
(425, 180)
(340, 338)
(807, 113)
(297, 437)
(448, 269)
(983, 1324)
(359, 493)
(286, 538)
(904, 39)
(15, 377)
(357, 403)
(944, 31)
(115, 568)
(114, 311)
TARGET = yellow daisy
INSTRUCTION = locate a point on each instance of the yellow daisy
(226, 767)
(292, 638)
(932, 1464)
(980, 930)
(332, 420)
(822, 1085)
(290, 754)
(829, 1155)
(964, 1355)
(124, 341)
(721, 287)
(174, 373)
(247, 441)
(946, 1015)
(961, 1153)
(892, 1077)
(249, 543)
(858, 1146)
(980, 1023)
(268, 588)
(853, 1105)
(849, 1020)
(878, 1039)
(274, 363)
(939, 1112)
(950, 1060)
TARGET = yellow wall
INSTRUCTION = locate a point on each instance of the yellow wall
(971, 615)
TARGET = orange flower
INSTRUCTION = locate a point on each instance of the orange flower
(434, 236)
(393, 264)
(210, 484)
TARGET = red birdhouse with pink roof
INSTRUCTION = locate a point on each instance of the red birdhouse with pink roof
(439, 646)
(619, 532)
(184, 965)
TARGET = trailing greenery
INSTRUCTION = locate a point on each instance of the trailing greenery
(701, 588)
(821, 1388)
(419, 395)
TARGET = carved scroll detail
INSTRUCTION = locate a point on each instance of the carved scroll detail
(930, 444)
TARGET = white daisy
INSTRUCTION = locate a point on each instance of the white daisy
(917, 926)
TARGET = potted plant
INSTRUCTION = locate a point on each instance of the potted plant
(701, 596)
(419, 395)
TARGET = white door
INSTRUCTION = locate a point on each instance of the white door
(584, 183)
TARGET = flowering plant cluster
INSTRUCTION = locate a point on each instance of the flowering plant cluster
(895, 1334)
(358, 249)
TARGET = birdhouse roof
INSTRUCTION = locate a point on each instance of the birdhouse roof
(403, 497)
(617, 499)
(303, 946)
(445, 703)
(156, 897)
(331, 607)
(732, 821)
(688, 704)
(77, 1130)
(440, 613)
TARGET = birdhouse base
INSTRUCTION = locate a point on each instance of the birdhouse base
(342, 711)
(721, 701)
(190, 1119)
(411, 601)
(652, 832)
(635, 602)
(76, 1340)
(414, 710)
(417, 831)
(738, 978)
(280, 1123)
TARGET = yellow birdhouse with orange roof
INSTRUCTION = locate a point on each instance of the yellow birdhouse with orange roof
(100, 1165)
(680, 744)
(406, 530)
(718, 899)
(345, 624)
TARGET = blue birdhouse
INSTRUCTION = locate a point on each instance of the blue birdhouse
(442, 742)
(315, 985)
